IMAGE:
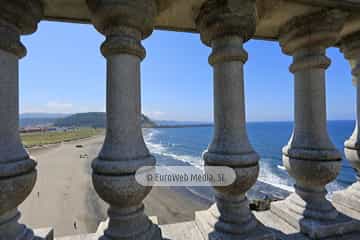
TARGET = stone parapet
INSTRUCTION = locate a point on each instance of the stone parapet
(310, 157)
(17, 170)
(124, 24)
(225, 26)
(350, 198)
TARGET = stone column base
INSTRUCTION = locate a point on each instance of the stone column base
(153, 233)
(205, 221)
(10, 229)
(349, 198)
(314, 228)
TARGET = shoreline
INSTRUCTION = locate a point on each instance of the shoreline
(64, 197)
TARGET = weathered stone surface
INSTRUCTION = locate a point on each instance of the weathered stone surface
(108, 15)
(278, 228)
(350, 197)
(124, 23)
(218, 19)
(225, 25)
(17, 169)
(284, 231)
(320, 29)
(22, 14)
(182, 231)
(99, 232)
(312, 227)
(205, 222)
(18, 17)
(310, 157)
(122, 153)
(178, 15)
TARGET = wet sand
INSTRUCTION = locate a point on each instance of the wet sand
(64, 198)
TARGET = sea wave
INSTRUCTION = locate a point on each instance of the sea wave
(164, 151)
(276, 175)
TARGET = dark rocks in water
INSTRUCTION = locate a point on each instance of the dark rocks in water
(263, 194)
(261, 204)
(260, 196)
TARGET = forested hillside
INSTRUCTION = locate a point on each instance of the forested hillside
(93, 119)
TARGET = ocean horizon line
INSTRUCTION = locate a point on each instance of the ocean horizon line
(251, 121)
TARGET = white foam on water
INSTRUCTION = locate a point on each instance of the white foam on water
(266, 175)
(281, 186)
(281, 167)
(333, 187)
(153, 147)
(162, 150)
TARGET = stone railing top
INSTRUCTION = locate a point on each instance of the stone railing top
(179, 15)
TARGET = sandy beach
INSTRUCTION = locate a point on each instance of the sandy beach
(64, 198)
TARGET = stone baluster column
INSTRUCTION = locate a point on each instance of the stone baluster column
(225, 26)
(310, 157)
(350, 198)
(17, 170)
(125, 24)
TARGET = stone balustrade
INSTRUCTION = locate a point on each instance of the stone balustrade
(17, 169)
(224, 25)
(124, 24)
(310, 157)
(350, 46)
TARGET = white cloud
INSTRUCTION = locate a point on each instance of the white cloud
(59, 107)
(155, 114)
(46, 108)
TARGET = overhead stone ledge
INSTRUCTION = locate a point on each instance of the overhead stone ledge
(178, 15)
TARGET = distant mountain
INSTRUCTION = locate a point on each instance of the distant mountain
(92, 119)
(39, 119)
(33, 122)
(146, 122)
(43, 115)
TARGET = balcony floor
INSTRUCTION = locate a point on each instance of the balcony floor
(190, 230)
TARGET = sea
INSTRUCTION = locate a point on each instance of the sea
(184, 146)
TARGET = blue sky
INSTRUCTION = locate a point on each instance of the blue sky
(64, 72)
